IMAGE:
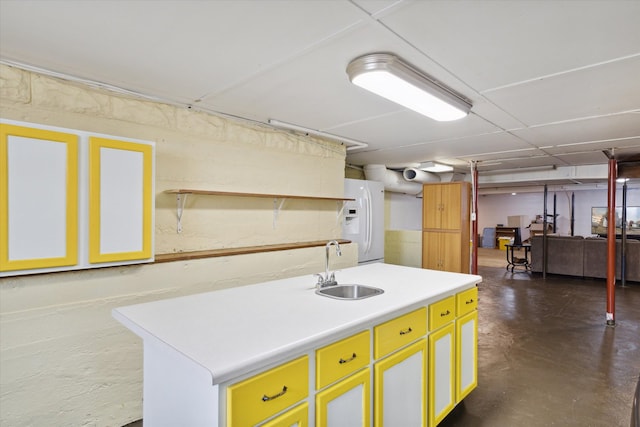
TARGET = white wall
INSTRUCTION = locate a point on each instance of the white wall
(63, 360)
(495, 208)
(403, 211)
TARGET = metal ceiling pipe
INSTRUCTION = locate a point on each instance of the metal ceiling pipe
(611, 243)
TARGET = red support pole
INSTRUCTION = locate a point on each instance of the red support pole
(474, 221)
(611, 242)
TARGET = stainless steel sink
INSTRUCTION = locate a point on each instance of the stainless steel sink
(349, 292)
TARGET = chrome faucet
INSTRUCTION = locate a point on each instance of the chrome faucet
(328, 280)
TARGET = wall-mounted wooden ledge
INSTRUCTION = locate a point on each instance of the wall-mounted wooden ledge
(263, 195)
(212, 253)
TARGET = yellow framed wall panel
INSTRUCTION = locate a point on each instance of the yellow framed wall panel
(120, 200)
(38, 198)
(45, 197)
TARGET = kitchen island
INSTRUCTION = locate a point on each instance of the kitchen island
(278, 353)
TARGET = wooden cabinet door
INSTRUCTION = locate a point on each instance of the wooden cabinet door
(431, 251)
(451, 201)
(451, 252)
(431, 206)
(400, 395)
(347, 403)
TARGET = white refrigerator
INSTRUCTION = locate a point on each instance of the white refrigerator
(363, 219)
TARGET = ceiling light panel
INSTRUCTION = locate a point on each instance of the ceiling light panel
(388, 76)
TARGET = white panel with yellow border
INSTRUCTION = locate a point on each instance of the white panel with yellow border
(71, 199)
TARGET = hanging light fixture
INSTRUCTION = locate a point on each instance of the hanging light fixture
(388, 76)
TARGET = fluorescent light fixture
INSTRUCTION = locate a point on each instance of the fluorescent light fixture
(435, 167)
(388, 76)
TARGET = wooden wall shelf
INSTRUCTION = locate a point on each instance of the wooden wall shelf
(212, 253)
(278, 200)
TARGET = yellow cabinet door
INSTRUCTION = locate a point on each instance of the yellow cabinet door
(264, 395)
(347, 403)
(466, 354)
(441, 373)
(400, 393)
(296, 417)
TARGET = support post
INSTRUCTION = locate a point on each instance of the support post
(555, 198)
(623, 244)
(544, 235)
(474, 218)
(611, 242)
(573, 218)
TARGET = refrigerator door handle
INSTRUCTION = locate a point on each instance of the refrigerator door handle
(369, 220)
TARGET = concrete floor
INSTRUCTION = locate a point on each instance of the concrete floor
(546, 357)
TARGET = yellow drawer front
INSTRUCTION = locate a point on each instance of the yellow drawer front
(442, 312)
(263, 395)
(400, 331)
(467, 301)
(340, 359)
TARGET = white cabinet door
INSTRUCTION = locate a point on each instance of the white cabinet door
(441, 373)
(466, 354)
(347, 403)
(400, 388)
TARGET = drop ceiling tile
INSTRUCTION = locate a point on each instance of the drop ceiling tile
(179, 50)
(313, 90)
(619, 126)
(498, 145)
(489, 44)
(596, 146)
(607, 89)
(407, 127)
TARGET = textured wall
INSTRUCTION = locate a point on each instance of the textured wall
(63, 360)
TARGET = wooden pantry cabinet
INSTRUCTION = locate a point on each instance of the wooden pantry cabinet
(445, 226)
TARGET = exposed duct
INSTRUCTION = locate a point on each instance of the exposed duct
(417, 175)
(392, 180)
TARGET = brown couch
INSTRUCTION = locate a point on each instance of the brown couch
(577, 256)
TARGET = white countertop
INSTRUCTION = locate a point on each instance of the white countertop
(232, 331)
